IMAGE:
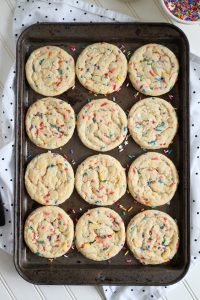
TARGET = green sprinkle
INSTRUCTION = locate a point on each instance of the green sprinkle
(41, 242)
(51, 166)
(104, 249)
(164, 240)
(60, 71)
(41, 61)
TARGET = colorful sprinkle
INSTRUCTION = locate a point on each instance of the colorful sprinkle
(187, 10)
(130, 208)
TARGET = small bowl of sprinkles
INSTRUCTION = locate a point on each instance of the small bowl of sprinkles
(183, 11)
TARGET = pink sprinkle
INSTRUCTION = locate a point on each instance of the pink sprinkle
(72, 48)
(129, 260)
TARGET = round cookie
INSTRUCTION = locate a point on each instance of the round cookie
(49, 231)
(152, 123)
(50, 71)
(101, 68)
(152, 179)
(153, 69)
(153, 237)
(100, 234)
(50, 123)
(100, 180)
(49, 179)
(102, 125)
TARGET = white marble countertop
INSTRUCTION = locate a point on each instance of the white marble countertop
(12, 286)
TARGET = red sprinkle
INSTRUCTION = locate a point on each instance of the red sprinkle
(151, 73)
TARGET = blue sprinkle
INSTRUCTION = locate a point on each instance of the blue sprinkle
(149, 182)
(170, 151)
(152, 142)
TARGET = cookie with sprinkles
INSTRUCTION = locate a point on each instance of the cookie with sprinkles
(50, 123)
(50, 71)
(49, 179)
(100, 180)
(49, 232)
(153, 69)
(100, 234)
(152, 179)
(152, 123)
(101, 68)
(153, 237)
(102, 125)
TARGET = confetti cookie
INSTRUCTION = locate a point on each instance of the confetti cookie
(100, 234)
(153, 237)
(50, 123)
(152, 123)
(102, 125)
(49, 231)
(100, 180)
(153, 69)
(49, 179)
(152, 179)
(101, 68)
(50, 71)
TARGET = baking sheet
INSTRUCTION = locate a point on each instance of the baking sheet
(122, 269)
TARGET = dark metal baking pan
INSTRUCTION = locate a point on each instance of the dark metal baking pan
(120, 270)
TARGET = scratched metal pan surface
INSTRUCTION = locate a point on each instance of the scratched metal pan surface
(120, 270)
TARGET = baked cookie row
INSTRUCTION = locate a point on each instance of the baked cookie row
(152, 236)
(102, 69)
(101, 179)
(101, 124)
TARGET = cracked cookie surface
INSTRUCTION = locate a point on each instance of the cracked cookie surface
(152, 123)
(50, 123)
(153, 237)
(49, 179)
(100, 234)
(101, 68)
(50, 71)
(49, 232)
(102, 125)
(100, 180)
(152, 179)
(153, 69)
